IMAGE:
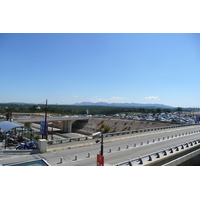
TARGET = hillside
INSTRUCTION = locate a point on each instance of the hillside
(116, 125)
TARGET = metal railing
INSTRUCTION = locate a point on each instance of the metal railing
(82, 138)
(158, 154)
(64, 140)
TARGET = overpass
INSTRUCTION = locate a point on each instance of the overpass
(66, 122)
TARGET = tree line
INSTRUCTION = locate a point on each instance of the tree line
(79, 110)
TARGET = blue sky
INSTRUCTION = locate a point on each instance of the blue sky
(69, 68)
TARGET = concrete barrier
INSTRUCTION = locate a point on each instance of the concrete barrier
(42, 145)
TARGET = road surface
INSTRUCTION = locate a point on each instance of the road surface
(137, 146)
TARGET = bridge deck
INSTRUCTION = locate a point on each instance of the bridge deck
(50, 119)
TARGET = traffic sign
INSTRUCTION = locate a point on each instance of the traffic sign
(42, 125)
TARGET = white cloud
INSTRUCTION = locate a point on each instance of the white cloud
(97, 100)
(111, 100)
(116, 98)
(152, 98)
(76, 96)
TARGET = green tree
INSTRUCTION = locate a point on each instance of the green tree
(158, 110)
(179, 109)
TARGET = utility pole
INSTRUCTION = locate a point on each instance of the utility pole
(11, 110)
(45, 122)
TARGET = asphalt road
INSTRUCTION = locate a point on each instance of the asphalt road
(138, 145)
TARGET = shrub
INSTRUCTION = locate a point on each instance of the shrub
(102, 125)
(106, 129)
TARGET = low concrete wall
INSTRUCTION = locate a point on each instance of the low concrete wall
(186, 160)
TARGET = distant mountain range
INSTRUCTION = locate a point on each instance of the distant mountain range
(123, 105)
(106, 104)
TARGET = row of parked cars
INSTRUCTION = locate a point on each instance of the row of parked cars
(162, 118)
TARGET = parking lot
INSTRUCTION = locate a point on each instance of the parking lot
(163, 117)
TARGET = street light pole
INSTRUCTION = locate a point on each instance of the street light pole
(100, 157)
(102, 144)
